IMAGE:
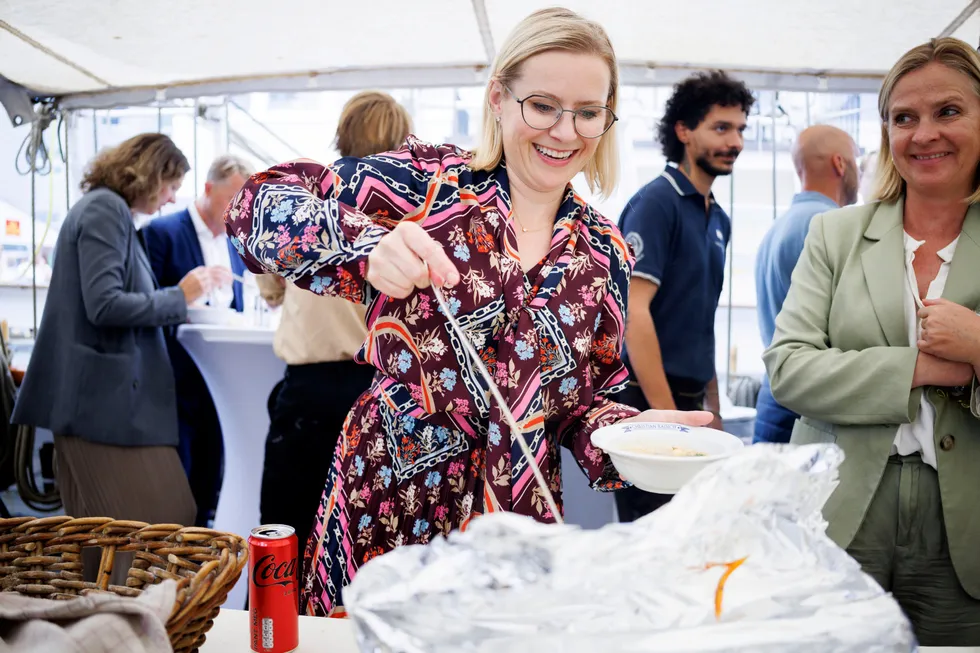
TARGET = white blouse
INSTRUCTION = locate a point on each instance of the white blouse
(918, 436)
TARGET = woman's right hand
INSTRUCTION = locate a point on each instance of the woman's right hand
(196, 283)
(932, 370)
(407, 259)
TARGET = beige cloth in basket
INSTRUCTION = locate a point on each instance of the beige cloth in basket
(96, 623)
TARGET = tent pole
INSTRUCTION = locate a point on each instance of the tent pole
(483, 24)
(68, 116)
(227, 126)
(196, 105)
(774, 155)
(731, 274)
(961, 18)
(34, 244)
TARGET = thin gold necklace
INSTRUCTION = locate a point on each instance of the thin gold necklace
(525, 229)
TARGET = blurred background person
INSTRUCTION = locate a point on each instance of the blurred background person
(99, 376)
(825, 159)
(176, 244)
(878, 348)
(317, 337)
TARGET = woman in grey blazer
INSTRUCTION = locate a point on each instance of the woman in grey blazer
(99, 376)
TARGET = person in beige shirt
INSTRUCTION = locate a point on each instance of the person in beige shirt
(318, 337)
(313, 328)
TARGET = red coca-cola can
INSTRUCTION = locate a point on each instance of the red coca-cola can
(273, 589)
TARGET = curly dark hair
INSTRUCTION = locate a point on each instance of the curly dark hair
(691, 102)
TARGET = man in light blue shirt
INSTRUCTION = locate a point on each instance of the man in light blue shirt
(826, 162)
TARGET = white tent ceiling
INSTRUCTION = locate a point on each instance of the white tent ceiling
(105, 52)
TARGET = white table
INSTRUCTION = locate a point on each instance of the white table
(230, 635)
(316, 635)
(240, 369)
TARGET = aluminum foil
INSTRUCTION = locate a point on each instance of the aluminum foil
(511, 584)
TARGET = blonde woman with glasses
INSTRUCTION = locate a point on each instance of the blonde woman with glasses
(538, 279)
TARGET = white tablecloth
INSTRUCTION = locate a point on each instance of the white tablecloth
(240, 369)
(316, 635)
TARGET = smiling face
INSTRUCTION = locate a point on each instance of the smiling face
(546, 160)
(717, 140)
(934, 131)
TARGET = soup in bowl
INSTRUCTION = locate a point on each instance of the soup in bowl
(661, 457)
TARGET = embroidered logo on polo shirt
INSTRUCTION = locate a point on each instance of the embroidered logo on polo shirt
(636, 242)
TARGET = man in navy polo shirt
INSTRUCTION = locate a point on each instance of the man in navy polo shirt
(825, 159)
(679, 236)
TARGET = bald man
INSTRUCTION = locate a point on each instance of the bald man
(826, 162)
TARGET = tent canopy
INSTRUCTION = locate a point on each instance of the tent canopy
(111, 52)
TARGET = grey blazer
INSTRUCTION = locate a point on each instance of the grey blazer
(99, 369)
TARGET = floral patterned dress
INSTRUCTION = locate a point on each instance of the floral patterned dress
(426, 449)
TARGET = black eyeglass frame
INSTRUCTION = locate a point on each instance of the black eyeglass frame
(561, 112)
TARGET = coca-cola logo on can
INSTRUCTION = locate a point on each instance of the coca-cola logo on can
(268, 572)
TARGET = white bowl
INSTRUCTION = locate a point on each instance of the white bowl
(638, 450)
(213, 315)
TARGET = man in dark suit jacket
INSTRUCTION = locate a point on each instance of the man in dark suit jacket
(175, 244)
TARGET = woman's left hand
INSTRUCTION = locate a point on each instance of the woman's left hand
(950, 331)
(686, 417)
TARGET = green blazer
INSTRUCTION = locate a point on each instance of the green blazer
(841, 357)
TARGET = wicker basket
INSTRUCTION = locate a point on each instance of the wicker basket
(42, 557)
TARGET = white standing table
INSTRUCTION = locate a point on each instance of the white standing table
(240, 368)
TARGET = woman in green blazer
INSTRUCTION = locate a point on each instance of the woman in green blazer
(878, 348)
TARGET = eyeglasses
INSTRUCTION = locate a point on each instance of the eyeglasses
(542, 112)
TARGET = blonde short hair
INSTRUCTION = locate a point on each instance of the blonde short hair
(950, 52)
(372, 122)
(226, 166)
(544, 31)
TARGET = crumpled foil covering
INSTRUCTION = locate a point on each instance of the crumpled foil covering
(511, 584)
